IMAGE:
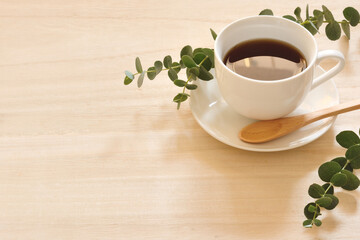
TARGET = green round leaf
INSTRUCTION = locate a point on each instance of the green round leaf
(297, 13)
(319, 17)
(329, 190)
(353, 155)
(191, 86)
(312, 208)
(339, 179)
(312, 20)
(181, 97)
(151, 73)
(307, 11)
(176, 66)
(342, 161)
(172, 74)
(266, 12)
(182, 64)
(158, 67)
(308, 223)
(317, 222)
(198, 57)
(347, 139)
(195, 71)
(191, 74)
(179, 83)
(210, 53)
(324, 202)
(327, 170)
(140, 79)
(311, 27)
(188, 61)
(178, 105)
(333, 30)
(187, 50)
(204, 74)
(127, 80)
(167, 61)
(349, 168)
(129, 75)
(353, 181)
(327, 14)
(213, 34)
(207, 64)
(197, 50)
(352, 15)
(334, 201)
(308, 214)
(316, 191)
(346, 28)
(290, 17)
(138, 65)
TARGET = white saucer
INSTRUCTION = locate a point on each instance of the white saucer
(220, 121)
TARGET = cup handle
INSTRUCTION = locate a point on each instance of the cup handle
(333, 71)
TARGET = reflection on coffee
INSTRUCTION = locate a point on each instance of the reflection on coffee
(265, 59)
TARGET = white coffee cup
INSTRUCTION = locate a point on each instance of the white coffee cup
(263, 100)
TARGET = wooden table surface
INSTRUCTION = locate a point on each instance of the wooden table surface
(84, 157)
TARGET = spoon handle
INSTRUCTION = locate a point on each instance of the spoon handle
(332, 111)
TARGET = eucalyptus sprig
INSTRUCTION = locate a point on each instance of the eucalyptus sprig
(319, 17)
(335, 173)
(197, 63)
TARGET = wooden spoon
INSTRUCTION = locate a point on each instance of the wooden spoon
(264, 131)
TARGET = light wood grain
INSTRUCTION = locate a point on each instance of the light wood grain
(84, 157)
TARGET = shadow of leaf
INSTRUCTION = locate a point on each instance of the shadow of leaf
(348, 202)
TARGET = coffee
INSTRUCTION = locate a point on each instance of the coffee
(265, 59)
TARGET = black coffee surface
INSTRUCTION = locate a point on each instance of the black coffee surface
(265, 59)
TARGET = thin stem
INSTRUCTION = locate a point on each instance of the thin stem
(315, 21)
(186, 83)
(327, 189)
(347, 163)
(203, 60)
(316, 206)
(179, 66)
(179, 103)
